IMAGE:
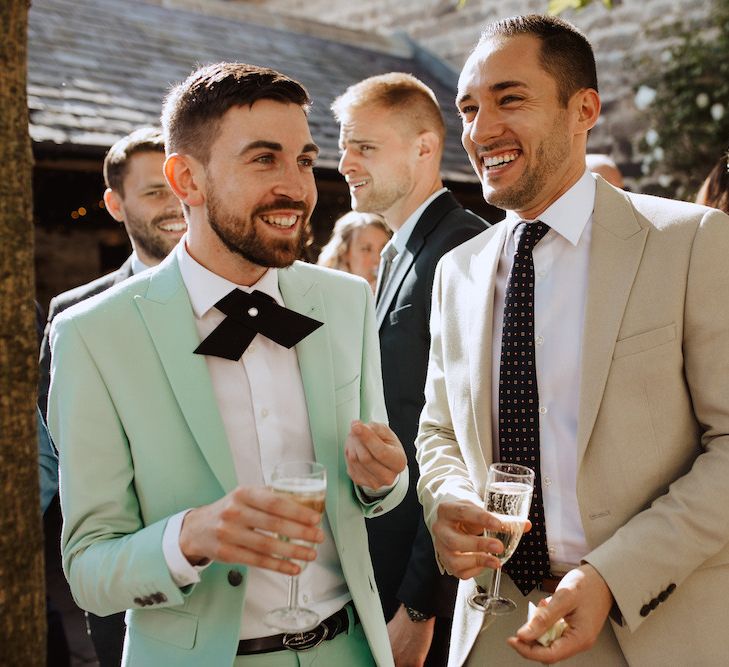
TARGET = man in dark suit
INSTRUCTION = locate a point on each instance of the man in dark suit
(138, 196)
(391, 137)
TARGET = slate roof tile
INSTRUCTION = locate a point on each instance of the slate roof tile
(100, 68)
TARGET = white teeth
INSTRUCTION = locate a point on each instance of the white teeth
(280, 220)
(174, 226)
(497, 161)
(357, 184)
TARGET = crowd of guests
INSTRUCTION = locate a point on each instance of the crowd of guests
(585, 336)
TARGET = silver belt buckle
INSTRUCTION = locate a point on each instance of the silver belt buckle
(303, 641)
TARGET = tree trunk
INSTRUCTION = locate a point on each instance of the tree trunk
(22, 584)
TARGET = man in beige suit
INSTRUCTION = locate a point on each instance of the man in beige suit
(630, 341)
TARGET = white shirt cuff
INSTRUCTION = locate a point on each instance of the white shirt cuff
(181, 571)
(376, 494)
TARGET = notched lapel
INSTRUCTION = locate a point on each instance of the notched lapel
(616, 250)
(314, 353)
(480, 325)
(170, 321)
(397, 275)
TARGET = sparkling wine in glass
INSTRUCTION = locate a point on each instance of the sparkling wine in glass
(509, 489)
(306, 483)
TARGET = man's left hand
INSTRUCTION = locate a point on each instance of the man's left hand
(583, 599)
(374, 455)
(410, 641)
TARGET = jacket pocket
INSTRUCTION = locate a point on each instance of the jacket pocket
(166, 625)
(347, 391)
(645, 341)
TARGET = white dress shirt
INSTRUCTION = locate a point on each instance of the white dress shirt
(560, 292)
(137, 264)
(263, 409)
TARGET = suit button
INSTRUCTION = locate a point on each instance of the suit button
(377, 510)
(671, 588)
(139, 601)
(663, 596)
(645, 610)
(234, 577)
(654, 603)
(159, 597)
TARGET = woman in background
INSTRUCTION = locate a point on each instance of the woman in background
(355, 246)
(715, 190)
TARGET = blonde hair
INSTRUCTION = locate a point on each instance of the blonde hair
(397, 92)
(333, 253)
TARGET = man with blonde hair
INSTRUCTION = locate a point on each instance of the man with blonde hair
(391, 138)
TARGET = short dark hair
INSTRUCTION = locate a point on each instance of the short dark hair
(192, 109)
(566, 54)
(116, 162)
(397, 92)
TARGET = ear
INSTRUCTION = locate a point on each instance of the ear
(587, 106)
(428, 145)
(114, 204)
(184, 173)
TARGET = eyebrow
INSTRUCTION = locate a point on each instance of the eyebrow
(496, 87)
(275, 146)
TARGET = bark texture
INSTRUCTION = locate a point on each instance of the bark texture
(22, 585)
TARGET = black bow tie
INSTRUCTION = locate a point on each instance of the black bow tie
(249, 314)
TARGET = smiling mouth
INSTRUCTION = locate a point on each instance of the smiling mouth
(356, 185)
(176, 226)
(281, 221)
(497, 161)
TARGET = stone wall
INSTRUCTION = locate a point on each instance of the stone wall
(618, 35)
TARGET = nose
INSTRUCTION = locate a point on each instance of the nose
(346, 163)
(485, 127)
(293, 183)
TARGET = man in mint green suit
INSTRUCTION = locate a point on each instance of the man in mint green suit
(165, 453)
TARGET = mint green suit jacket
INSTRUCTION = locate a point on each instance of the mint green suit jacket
(140, 437)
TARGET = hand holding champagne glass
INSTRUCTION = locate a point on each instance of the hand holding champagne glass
(306, 483)
(509, 489)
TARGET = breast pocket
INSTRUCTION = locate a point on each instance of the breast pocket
(347, 391)
(401, 314)
(645, 341)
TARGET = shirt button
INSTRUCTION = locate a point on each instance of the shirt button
(547, 481)
(542, 410)
(539, 340)
(264, 412)
(253, 311)
(541, 274)
(552, 551)
(305, 598)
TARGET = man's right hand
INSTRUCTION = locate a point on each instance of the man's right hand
(245, 527)
(458, 533)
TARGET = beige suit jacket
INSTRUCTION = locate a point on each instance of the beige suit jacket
(653, 418)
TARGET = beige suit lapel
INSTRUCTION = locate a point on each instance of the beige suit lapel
(480, 325)
(616, 250)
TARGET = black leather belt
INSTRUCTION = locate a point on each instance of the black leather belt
(328, 629)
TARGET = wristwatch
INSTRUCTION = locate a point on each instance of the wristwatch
(417, 616)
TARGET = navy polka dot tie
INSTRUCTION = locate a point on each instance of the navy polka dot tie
(519, 402)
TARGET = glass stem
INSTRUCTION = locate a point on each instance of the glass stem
(293, 592)
(495, 584)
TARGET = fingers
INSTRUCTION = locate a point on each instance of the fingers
(546, 615)
(252, 526)
(374, 455)
(462, 547)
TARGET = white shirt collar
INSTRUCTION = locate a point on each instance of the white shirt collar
(401, 237)
(206, 288)
(137, 264)
(569, 215)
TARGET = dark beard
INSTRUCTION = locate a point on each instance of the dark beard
(244, 240)
(147, 236)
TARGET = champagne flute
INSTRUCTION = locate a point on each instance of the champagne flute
(306, 483)
(509, 489)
